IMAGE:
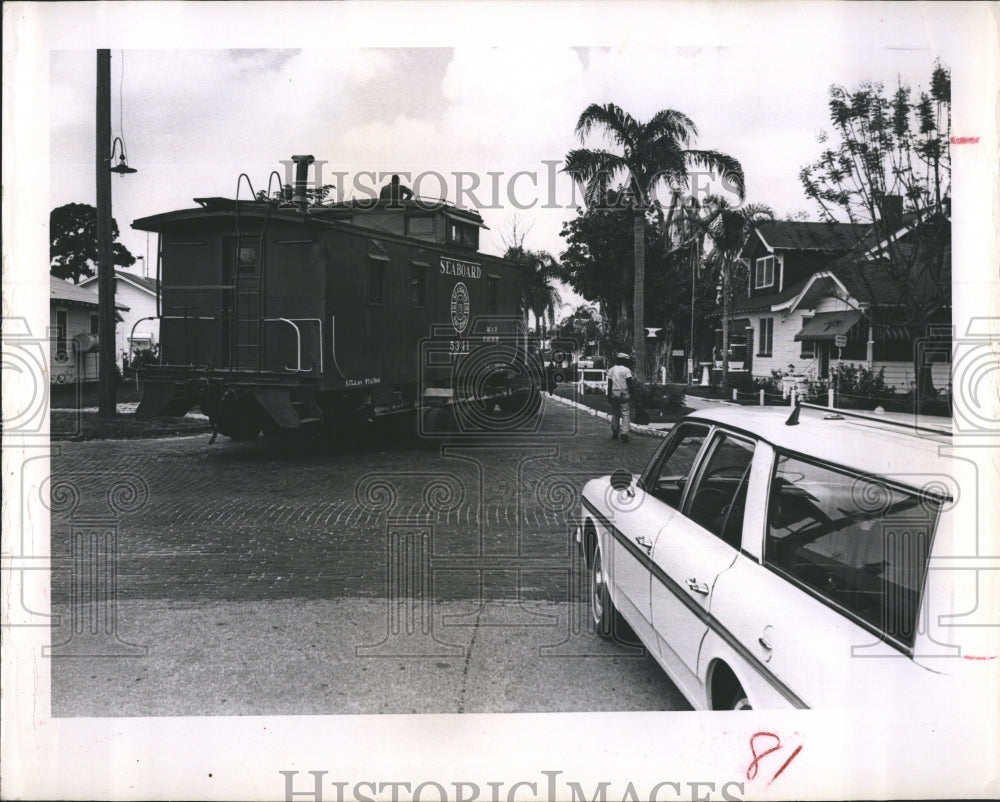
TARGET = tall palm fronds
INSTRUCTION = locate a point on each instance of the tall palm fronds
(728, 229)
(538, 294)
(653, 153)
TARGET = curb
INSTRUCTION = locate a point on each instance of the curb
(596, 413)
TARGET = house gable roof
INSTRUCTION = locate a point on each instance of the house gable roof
(870, 281)
(68, 293)
(148, 285)
(793, 235)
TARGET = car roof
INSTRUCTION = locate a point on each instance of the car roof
(863, 444)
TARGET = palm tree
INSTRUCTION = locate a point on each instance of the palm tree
(728, 228)
(652, 152)
(538, 295)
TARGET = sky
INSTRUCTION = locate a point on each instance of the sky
(483, 126)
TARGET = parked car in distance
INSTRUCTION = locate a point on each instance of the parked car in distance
(593, 380)
(816, 560)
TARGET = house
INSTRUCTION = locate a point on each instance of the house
(139, 327)
(814, 284)
(73, 324)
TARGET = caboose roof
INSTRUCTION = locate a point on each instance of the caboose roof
(344, 211)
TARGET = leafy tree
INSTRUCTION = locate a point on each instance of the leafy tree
(584, 326)
(597, 264)
(73, 242)
(887, 171)
(597, 261)
(652, 152)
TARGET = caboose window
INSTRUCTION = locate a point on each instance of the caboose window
(376, 281)
(422, 227)
(418, 285)
(463, 234)
(247, 258)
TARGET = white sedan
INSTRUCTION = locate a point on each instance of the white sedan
(807, 562)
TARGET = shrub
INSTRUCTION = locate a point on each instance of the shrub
(665, 397)
(864, 388)
(771, 385)
(145, 356)
(741, 381)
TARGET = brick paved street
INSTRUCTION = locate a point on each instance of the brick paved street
(255, 521)
(406, 577)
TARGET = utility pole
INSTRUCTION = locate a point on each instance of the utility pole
(107, 406)
(694, 278)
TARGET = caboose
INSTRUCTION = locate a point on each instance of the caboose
(281, 315)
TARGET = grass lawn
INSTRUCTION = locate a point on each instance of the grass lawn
(72, 425)
(599, 402)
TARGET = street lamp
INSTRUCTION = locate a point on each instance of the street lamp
(122, 167)
(107, 377)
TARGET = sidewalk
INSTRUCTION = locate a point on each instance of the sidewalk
(652, 430)
(352, 656)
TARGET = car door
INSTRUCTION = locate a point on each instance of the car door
(695, 547)
(639, 512)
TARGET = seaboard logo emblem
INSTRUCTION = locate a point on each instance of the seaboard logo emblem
(460, 307)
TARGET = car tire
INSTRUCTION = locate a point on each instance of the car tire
(607, 619)
(738, 700)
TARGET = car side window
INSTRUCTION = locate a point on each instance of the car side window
(852, 540)
(718, 499)
(673, 470)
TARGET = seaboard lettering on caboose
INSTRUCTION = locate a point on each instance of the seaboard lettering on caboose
(277, 316)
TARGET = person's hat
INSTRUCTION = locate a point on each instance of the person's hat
(623, 356)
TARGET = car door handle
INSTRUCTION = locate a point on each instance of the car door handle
(644, 544)
(697, 587)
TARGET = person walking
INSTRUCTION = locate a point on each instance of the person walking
(621, 391)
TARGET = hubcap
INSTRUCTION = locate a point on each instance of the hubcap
(597, 585)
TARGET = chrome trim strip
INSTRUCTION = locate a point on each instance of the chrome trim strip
(705, 616)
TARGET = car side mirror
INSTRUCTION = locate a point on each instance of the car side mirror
(621, 480)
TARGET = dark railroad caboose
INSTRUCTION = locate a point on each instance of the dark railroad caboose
(278, 316)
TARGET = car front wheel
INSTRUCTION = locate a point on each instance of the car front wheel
(601, 607)
(739, 700)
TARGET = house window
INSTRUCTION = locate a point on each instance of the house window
(764, 274)
(61, 325)
(766, 336)
(492, 294)
(808, 346)
(95, 323)
(376, 281)
(418, 285)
